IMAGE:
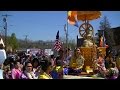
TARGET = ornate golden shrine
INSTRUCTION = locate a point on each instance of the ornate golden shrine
(89, 53)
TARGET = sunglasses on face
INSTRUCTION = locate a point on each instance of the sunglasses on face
(29, 66)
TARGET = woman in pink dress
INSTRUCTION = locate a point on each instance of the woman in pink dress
(16, 71)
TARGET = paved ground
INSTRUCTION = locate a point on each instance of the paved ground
(80, 77)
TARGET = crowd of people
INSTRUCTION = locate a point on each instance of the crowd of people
(106, 66)
(32, 67)
(40, 66)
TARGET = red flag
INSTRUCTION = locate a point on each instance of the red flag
(106, 46)
(101, 41)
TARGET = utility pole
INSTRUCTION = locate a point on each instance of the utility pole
(26, 37)
(5, 28)
(67, 35)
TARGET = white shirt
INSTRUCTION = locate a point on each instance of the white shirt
(1, 74)
(30, 75)
(2, 56)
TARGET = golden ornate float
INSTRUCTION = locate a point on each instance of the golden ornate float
(86, 31)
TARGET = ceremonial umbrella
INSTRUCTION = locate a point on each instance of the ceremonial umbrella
(83, 15)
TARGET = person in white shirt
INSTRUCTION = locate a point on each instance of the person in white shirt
(2, 59)
(3, 55)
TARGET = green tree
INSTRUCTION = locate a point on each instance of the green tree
(106, 32)
(104, 24)
(13, 42)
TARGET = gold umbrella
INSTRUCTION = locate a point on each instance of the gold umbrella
(88, 15)
(83, 15)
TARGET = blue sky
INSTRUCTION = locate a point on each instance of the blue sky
(43, 25)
